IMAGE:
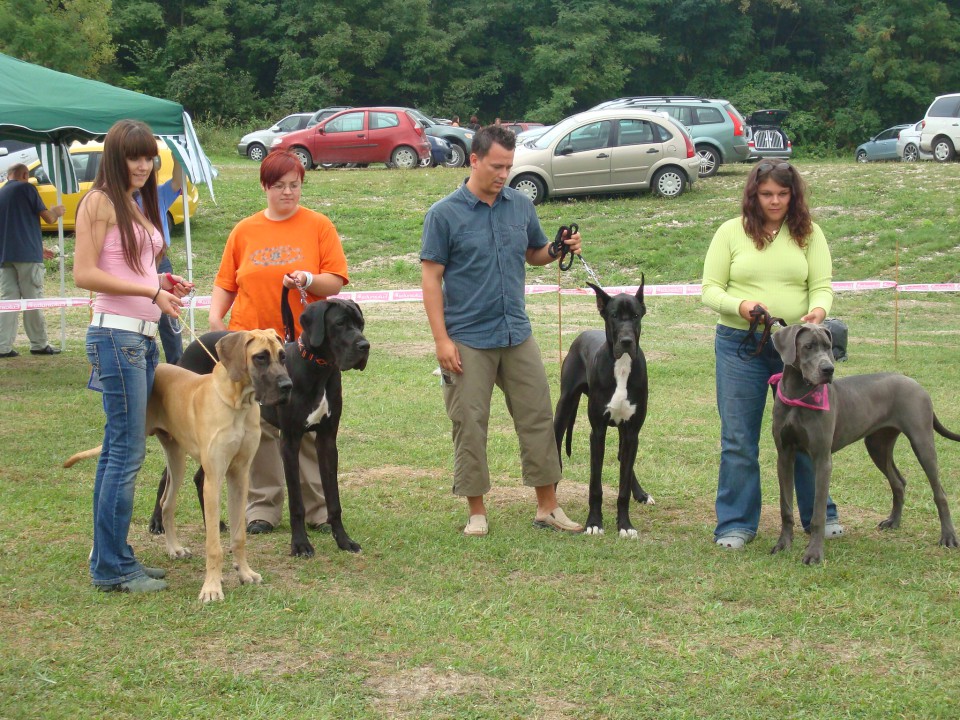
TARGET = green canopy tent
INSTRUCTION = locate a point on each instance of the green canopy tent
(54, 109)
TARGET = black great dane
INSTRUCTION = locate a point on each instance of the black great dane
(332, 341)
(609, 368)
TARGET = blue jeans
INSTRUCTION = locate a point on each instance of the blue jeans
(171, 340)
(741, 398)
(125, 362)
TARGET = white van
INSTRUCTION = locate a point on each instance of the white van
(940, 133)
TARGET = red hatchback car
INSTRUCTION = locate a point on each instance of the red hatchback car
(362, 136)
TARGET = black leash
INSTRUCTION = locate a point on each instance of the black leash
(560, 249)
(758, 317)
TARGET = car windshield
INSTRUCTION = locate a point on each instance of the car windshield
(558, 130)
(423, 119)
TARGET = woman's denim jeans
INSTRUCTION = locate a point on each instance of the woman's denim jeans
(125, 362)
(741, 397)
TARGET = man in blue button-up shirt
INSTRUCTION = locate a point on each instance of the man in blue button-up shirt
(475, 243)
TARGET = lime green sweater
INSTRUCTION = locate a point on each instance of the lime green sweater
(790, 281)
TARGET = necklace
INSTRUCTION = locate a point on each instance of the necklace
(773, 234)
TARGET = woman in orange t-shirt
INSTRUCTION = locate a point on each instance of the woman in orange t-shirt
(264, 253)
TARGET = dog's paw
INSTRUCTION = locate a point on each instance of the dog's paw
(889, 524)
(593, 530)
(649, 500)
(301, 549)
(949, 539)
(212, 592)
(178, 552)
(249, 577)
(629, 533)
(812, 557)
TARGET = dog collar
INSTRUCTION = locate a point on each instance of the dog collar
(307, 355)
(816, 399)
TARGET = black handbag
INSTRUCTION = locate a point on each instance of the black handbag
(839, 332)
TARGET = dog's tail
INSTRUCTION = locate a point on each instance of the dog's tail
(568, 415)
(74, 459)
(938, 426)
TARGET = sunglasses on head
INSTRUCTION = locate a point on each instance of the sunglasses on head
(766, 167)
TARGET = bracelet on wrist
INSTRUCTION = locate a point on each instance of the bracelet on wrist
(155, 296)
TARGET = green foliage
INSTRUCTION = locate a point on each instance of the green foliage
(72, 37)
(843, 68)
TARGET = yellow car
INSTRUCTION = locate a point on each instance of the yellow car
(86, 160)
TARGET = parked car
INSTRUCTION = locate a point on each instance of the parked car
(716, 126)
(532, 134)
(86, 160)
(601, 151)
(360, 135)
(518, 127)
(940, 133)
(13, 152)
(324, 113)
(440, 152)
(460, 138)
(765, 135)
(256, 144)
(908, 144)
(882, 146)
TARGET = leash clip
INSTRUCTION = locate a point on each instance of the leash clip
(303, 293)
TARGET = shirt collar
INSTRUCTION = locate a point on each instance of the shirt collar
(472, 200)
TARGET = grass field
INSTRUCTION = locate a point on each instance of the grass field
(523, 623)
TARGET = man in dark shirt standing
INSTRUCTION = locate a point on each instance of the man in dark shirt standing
(474, 245)
(21, 259)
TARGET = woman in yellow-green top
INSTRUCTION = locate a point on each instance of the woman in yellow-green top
(776, 257)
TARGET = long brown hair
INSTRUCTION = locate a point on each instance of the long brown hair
(128, 139)
(798, 214)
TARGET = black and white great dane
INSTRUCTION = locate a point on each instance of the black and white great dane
(332, 341)
(608, 367)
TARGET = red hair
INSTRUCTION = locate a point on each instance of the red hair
(276, 165)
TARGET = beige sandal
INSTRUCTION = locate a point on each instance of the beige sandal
(477, 526)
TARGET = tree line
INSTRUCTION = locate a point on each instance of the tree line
(845, 69)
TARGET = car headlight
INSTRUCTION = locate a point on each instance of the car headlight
(277, 142)
(468, 135)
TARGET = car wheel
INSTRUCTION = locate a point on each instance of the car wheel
(405, 157)
(862, 156)
(911, 153)
(330, 166)
(709, 161)
(256, 152)
(427, 161)
(943, 150)
(668, 182)
(304, 156)
(532, 187)
(458, 156)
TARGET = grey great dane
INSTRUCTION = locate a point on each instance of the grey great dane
(608, 367)
(876, 408)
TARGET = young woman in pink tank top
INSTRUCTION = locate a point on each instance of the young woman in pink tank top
(117, 246)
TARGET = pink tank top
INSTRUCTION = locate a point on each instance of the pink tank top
(111, 261)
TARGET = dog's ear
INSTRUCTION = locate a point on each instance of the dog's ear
(785, 342)
(639, 295)
(602, 297)
(232, 351)
(312, 322)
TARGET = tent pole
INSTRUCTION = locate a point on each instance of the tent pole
(58, 149)
(185, 196)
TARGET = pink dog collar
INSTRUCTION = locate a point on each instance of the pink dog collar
(816, 399)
